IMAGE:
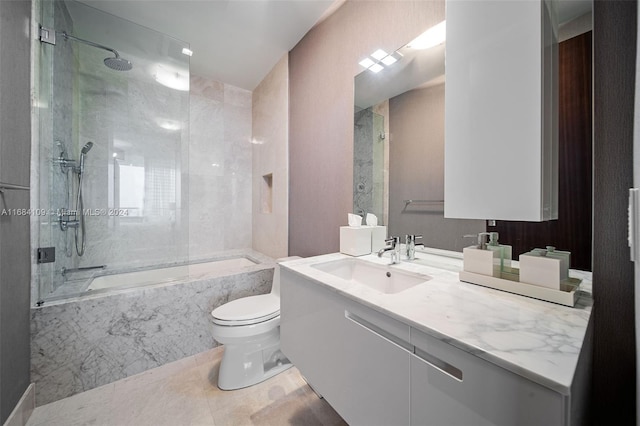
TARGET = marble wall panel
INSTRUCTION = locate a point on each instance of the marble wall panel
(270, 156)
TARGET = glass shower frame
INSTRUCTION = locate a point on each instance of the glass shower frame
(134, 183)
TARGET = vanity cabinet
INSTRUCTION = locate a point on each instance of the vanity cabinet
(452, 387)
(356, 358)
(376, 370)
(501, 150)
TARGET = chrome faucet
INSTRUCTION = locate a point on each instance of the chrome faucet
(410, 245)
(393, 246)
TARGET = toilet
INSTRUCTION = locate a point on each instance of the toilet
(249, 329)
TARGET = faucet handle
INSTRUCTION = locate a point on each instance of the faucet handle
(393, 241)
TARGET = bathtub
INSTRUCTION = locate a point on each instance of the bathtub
(137, 319)
(157, 275)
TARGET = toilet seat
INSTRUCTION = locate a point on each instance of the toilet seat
(247, 310)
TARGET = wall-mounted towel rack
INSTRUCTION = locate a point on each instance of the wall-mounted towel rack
(407, 202)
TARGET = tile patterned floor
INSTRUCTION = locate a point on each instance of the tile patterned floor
(185, 393)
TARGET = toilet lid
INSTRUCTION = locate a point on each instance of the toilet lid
(247, 310)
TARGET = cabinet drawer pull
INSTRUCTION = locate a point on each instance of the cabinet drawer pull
(438, 364)
(394, 340)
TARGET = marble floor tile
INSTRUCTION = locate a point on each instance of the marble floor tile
(185, 392)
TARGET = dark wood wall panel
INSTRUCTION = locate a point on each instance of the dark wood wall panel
(572, 230)
(614, 356)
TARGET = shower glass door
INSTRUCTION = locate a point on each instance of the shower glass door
(112, 149)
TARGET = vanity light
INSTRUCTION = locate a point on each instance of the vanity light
(389, 60)
(432, 37)
(379, 54)
(366, 62)
(376, 68)
(187, 52)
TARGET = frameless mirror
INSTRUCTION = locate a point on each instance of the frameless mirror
(399, 150)
(399, 147)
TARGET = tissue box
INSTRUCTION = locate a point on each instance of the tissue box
(484, 262)
(543, 271)
(355, 241)
(378, 235)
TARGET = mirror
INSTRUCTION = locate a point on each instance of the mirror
(399, 148)
(398, 155)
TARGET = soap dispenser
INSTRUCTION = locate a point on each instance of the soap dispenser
(479, 260)
(504, 250)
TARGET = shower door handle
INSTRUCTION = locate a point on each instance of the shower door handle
(9, 186)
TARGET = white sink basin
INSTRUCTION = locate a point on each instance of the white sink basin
(377, 277)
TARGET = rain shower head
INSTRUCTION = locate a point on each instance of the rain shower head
(86, 148)
(117, 63)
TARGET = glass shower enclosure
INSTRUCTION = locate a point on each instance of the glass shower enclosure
(111, 151)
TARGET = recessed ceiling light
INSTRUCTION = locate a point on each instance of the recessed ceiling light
(389, 60)
(366, 62)
(379, 54)
(432, 37)
(187, 52)
(376, 68)
(171, 77)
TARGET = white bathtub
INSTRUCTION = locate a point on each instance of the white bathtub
(167, 274)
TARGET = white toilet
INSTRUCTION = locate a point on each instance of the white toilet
(249, 329)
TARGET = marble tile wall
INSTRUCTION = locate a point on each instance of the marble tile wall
(368, 164)
(220, 168)
(80, 344)
(271, 157)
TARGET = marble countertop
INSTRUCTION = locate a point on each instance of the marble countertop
(535, 339)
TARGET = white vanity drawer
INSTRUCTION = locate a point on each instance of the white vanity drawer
(452, 387)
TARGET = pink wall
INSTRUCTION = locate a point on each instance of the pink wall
(321, 71)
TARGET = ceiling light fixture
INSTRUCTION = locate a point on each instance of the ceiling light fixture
(175, 79)
(187, 51)
(376, 68)
(366, 62)
(381, 57)
(389, 60)
(379, 54)
(432, 37)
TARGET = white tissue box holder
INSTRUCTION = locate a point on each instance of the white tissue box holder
(378, 237)
(355, 241)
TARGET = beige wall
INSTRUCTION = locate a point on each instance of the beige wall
(416, 171)
(270, 157)
(321, 71)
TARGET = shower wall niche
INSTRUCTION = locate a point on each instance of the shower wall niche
(134, 180)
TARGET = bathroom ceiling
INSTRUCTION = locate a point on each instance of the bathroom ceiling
(233, 41)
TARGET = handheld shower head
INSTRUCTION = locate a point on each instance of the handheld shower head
(86, 148)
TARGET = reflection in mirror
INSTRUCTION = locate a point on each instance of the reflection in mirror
(399, 148)
(408, 98)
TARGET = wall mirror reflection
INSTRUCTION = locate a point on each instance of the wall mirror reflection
(399, 148)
